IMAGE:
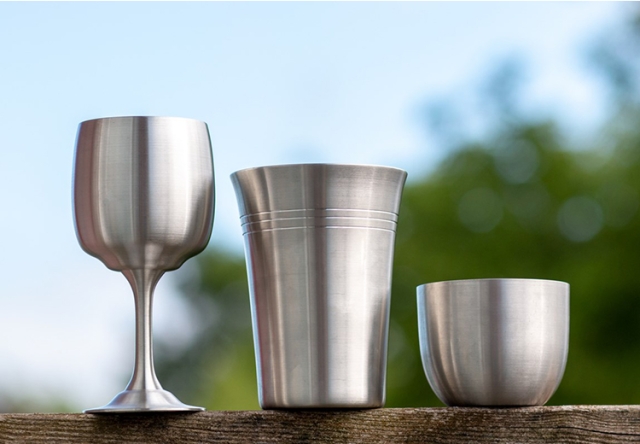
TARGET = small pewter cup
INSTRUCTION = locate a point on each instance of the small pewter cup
(494, 342)
(319, 245)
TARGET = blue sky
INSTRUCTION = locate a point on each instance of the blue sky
(276, 82)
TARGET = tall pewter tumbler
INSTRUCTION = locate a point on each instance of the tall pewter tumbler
(319, 244)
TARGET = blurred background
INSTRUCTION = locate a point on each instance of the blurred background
(518, 123)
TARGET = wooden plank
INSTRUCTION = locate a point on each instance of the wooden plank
(566, 424)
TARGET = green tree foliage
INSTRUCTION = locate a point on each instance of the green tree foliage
(520, 202)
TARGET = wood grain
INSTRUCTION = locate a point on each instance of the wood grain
(564, 424)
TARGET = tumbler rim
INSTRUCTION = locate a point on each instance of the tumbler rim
(318, 164)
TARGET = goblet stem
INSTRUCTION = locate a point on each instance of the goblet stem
(143, 283)
(144, 392)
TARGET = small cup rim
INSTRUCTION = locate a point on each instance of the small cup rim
(455, 282)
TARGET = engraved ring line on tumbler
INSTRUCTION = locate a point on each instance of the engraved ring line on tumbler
(330, 217)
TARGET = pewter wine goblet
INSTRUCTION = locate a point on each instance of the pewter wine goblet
(143, 195)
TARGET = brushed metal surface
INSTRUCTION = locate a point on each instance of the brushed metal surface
(319, 245)
(494, 342)
(143, 195)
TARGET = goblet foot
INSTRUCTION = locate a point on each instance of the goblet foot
(140, 401)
